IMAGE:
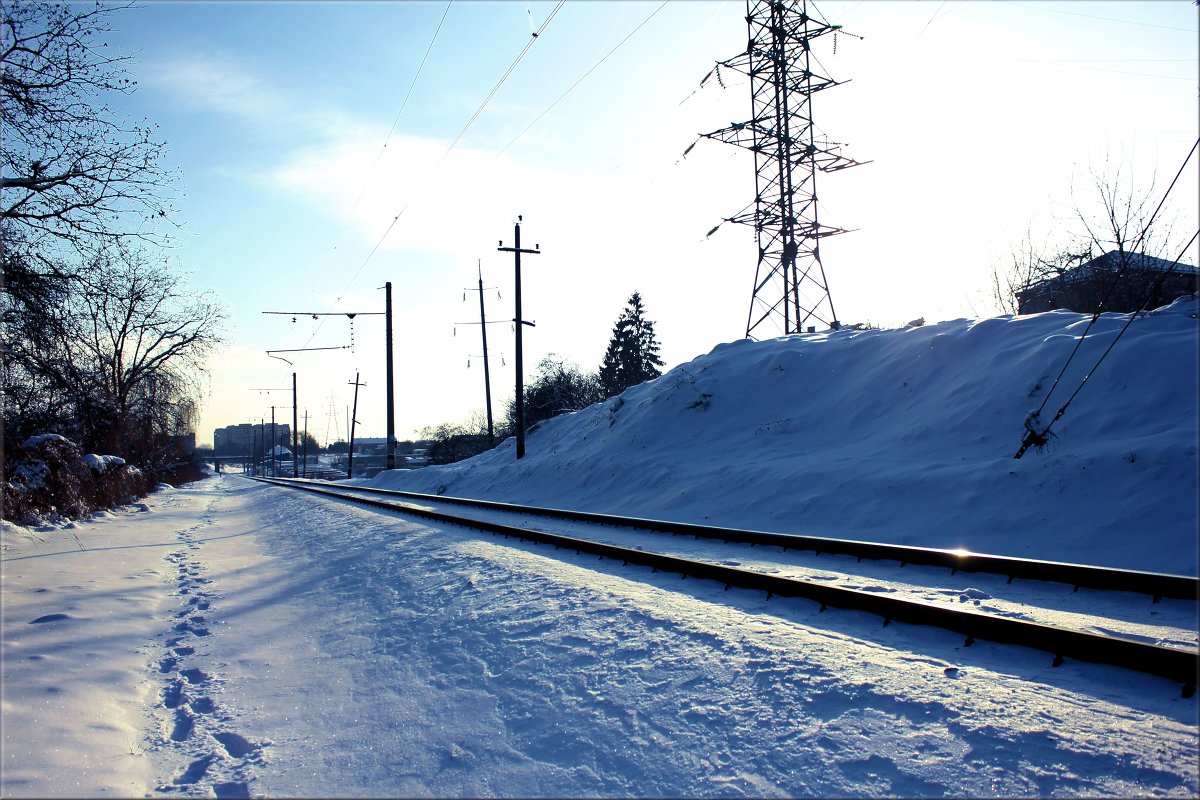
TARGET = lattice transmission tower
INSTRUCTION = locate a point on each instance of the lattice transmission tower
(790, 287)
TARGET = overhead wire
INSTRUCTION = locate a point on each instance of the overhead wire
(581, 79)
(395, 122)
(1034, 437)
(520, 56)
(387, 139)
(1042, 437)
(1105, 19)
(458, 138)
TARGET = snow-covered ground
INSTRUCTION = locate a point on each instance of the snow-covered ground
(902, 436)
(232, 638)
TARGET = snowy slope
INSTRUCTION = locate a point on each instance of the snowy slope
(903, 436)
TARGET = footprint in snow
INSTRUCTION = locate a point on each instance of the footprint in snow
(194, 676)
(183, 726)
(173, 694)
(185, 627)
(196, 770)
(235, 744)
(235, 790)
(203, 705)
(49, 618)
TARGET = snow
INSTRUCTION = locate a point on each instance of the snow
(34, 441)
(100, 464)
(243, 640)
(904, 436)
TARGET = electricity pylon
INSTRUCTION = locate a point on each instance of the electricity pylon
(790, 286)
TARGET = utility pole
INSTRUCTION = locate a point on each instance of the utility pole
(387, 312)
(295, 425)
(519, 322)
(487, 377)
(391, 403)
(305, 440)
(274, 444)
(353, 421)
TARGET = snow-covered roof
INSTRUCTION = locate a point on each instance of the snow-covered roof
(1109, 263)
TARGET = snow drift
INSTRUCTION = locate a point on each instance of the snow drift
(903, 435)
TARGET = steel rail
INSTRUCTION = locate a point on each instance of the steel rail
(1156, 584)
(1172, 663)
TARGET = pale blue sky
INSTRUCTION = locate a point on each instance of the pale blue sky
(977, 116)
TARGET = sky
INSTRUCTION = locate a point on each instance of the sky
(191, 645)
(325, 149)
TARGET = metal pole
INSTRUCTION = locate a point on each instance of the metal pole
(391, 405)
(274, 442)
(305, 440)
(487, 379)
(295, 431)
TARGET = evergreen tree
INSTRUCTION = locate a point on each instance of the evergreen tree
(632, 355)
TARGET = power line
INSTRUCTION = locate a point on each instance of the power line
(570, 89)
(1105, 19)
(1108, 292)
(520, 56)
(370, 174)
(1036, 438)
(395, 122)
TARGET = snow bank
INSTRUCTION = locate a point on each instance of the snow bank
(100, 464)
(903, 436)
(49, 479)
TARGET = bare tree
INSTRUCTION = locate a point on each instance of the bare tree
(149, 338)
(118, 363)
(1030, 264)
(72, 168)
(1110, 217)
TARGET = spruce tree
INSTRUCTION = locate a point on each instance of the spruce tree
(632, 354)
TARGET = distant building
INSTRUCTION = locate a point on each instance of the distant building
(1082, 288)
(372, 444)
(185, 443)
(236, 440)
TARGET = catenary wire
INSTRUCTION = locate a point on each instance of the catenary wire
(396, 121)
(1132, 316)
(457, 139)
(1112, 285)
(582, 77)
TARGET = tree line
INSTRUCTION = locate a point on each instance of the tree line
(559, 386)
(105, 343)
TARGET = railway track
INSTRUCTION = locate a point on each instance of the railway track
(627, 542)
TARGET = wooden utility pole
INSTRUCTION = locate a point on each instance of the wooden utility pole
(391, 403)
(519, 323)
(352, 423)
(295, 427)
